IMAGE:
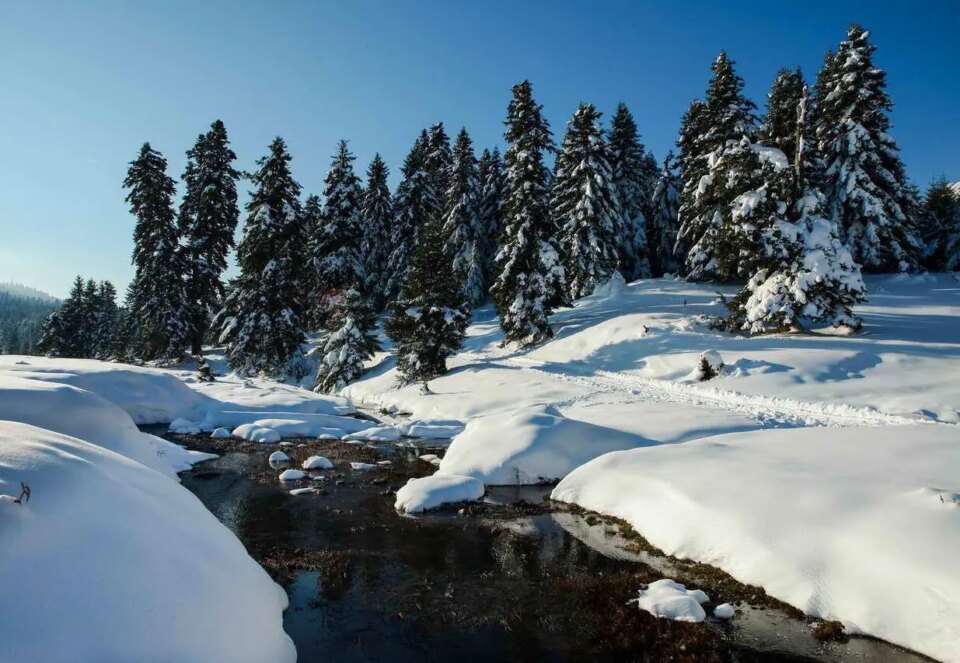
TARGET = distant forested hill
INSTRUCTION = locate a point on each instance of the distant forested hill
(22, 313)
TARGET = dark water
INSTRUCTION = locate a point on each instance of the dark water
(503, 584)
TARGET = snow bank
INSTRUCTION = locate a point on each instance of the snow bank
(671, 600)
(434, 429)
(317, 463)
(286, 424)
(110, 561)
(532, 445)
(420, 495)
(256, 433)
(839, 522)
(291, 475)
(375, 434)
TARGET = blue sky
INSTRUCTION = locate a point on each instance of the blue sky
(85, 83)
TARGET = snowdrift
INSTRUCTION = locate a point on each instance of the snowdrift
(111, 561)
(854, 524)
(419, 495)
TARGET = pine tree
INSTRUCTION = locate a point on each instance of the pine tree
(461, 220)
(529, 272)
(491, 212)
(584, 204)
(430, 321)
(261, 323)
(942, 227)
(415, 203)
(376, 221)
(865, 184)
(63, 332)
(161, 301)
(630, 166)
(439, 160)
(105, 320)
(663, 226)
(350, 342)
(208, 219)
(335, 255)
(780, 124)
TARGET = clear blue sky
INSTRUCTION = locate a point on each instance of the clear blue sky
(83, 84)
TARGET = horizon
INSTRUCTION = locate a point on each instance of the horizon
(87, 89)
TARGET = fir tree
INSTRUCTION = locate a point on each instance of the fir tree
(942, 227)
(865, 184)
(663, 226)
(529, 273)
(461, 220)
(208, 220)
(630, 165)
(491, 212)
(104, 320)
(430, 321)
(351, 341)
(376, 220)
(693, 165)
(161, 302)
(439, 160)
(780, 124)
(584, 204)
(261, 320)
(335, 256)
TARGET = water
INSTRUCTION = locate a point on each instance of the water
(509, 582)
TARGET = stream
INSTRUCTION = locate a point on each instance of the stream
(513, 578)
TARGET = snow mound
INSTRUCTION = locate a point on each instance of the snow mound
(434, 429)
(221, 434)
(182, 426)
(531, 445)
(291, 475)
(667, 599)
(830, 520)
(111, 561)
(317, 463)
(278, 457)
(419, 495)
(287, 424)
(362, 467)
(304, 491)
(724, 611)
(256, 433)
(376, 434)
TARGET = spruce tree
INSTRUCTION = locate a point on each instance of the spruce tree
(376, 221)
(865, 184)
(779, 128)
(663, 225)
(336, 259)
(261, 323)
(439, 161)
(529, 272)
(415, 203)
(161, 301)
(461, 220)
(350, 342)
(942, 226)
(430, 321)
(105, 320)
(584, 203)
(630, 166)
(491, 212)
(208, 219)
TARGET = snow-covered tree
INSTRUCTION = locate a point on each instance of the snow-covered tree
(942, 226)
(439, 161)
(261, 319)
(376, 221)
(161, 300)
(208, 219)
(416, 201)
(779, 128)
(865, 184)
(350, 342)
(430, 320)
(461, 220)
(335, 256)
(105, 315)
(629, 164)
(584, 204)
(492, 184)
(528, 265)
(662, 226)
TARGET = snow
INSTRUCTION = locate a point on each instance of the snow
(221, 434)
(376, 434)
(317, 463)
(362, 467)
(278, 457)
(291, 475)
(287, 424)
(304, 491)
(442, 429)
(724, 611)
(256, 433)
(838, 522)
(111, 561)
(419, 495)
(667, 599)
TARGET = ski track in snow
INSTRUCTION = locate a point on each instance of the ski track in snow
(770, 411)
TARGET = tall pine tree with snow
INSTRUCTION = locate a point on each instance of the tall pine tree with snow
(529, 272)
(415, 203)
(104, 316)
(161, 302)
(430, 320)
(491, 212)
(350, 342)
(376, 224)
(584, 204)
(779, 128)
(336, 258)
(208, 219)
(261, 322)
(439, 160)
(662, 226)
(865, 184)
(461, 220)
(942, 226)
(629, 164)
(714, 131)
